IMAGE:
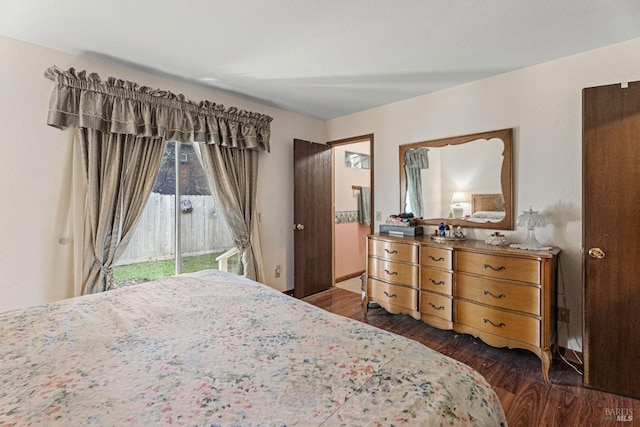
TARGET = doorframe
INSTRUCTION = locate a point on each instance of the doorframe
(347, 141)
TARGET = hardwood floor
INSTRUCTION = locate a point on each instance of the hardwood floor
(514, 374)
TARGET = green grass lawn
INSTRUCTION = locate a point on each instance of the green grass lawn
(152, 270)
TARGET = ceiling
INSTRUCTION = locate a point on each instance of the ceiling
(323, 58)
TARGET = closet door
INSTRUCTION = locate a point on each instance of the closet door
(611, 238)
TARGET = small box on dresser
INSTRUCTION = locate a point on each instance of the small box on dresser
(405, 230)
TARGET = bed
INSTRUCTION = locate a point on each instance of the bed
(211, 348)
(487, 208)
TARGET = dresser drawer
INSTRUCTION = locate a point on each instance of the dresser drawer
(436, 280)
(393, 251)
(393, 294)
(395, 272)
(502, 267)
(508, 325)
(436, 305)
(499, 294)
(435, 257)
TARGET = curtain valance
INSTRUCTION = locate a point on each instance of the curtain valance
(82, 100)
(417, 158)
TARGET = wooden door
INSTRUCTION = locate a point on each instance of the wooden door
(611, 238)
(313, 218)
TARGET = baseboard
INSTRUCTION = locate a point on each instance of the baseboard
(571, 355)
(349, 276)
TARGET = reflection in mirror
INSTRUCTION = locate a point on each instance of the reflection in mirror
(416, 161)
(462, 180)
(357, 160)
(460, 170)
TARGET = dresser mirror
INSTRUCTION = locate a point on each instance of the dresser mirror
(462, 180)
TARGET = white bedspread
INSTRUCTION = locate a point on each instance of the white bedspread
(213, 349)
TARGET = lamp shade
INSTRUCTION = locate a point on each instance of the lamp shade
(530, 220)
(458, 197)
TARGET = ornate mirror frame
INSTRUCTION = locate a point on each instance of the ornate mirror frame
(506, 177)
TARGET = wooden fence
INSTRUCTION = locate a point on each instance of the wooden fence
(202, 230)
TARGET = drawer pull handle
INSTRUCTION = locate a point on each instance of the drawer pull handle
(441, 282)
(436, 259)
(393, 273)
(437, 308)
(495, 296)
(390, 252)
(390, 296)
(497, 325)
(494, 268)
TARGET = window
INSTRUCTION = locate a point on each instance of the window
(356, 160)
(154, 251)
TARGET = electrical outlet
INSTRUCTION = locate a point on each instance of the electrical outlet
(378, 216)
(277, 271)
(562, 314)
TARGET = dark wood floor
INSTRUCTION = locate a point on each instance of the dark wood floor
(514, 374)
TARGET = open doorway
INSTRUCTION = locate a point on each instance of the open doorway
(352, 208)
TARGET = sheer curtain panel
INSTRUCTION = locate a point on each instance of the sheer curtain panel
(415, 160)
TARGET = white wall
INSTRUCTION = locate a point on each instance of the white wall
(543, 104)
(34, 158)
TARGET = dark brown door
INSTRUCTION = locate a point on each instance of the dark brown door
(312, 213)
(611, 238)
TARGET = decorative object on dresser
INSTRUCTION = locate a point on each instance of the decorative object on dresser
(531, 220)
(496, 239)
(502, 295)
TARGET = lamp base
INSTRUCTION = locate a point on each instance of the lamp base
(530, 243)
(457, 212)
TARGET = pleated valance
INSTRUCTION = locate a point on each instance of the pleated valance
(82, 100)
(417, 158)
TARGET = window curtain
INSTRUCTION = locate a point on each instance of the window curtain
(122, 128)
(233, 177)
(415, 159)
(120, 171)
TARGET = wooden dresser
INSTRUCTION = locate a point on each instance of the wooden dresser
(504, 296)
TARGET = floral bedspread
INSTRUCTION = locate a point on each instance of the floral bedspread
(214, 349)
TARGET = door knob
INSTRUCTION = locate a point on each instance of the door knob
(596, 253)
(298, 227)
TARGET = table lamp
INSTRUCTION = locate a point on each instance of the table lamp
(530, 220)
(457, 199)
